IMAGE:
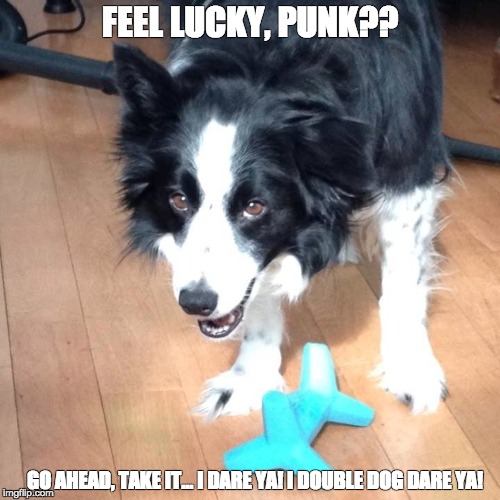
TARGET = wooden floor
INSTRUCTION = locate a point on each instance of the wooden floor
(99, 368)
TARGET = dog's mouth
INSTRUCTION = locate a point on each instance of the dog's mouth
(222, 327)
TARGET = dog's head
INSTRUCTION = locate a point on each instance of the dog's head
(238, 186)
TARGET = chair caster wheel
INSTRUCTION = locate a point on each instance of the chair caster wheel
(59, 6)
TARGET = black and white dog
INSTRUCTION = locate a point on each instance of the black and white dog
(249, 163)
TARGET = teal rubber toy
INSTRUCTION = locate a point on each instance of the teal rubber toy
(292, 421)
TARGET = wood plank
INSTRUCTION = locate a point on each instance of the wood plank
(58, 402)
(11, 470)
(471, 273)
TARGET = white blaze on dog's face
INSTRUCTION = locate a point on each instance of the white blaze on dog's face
(210, 256)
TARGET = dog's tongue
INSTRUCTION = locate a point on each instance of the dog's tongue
(225, 320)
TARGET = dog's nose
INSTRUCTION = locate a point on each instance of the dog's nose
(198, 299)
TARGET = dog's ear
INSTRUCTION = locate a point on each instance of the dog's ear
(147, 88)
(151, 99)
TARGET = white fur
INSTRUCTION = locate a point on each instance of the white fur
(256, 369)
(210, 250)
(213, 161)
(178, 62)
(409, 368)
(284, 277)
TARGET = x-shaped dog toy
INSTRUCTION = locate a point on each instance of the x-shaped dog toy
(292, 421)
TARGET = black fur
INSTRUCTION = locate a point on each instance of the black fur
(324, 127)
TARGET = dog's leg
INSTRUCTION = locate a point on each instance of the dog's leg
(409, 368)
(256, 369)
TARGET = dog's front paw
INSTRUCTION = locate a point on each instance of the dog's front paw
(237, 393)
(416, 380)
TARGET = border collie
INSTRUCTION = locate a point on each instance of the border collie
(250, 164)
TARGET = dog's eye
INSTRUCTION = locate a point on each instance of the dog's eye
(179, 202)
(254, 209)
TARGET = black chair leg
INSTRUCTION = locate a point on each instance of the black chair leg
(59, 6)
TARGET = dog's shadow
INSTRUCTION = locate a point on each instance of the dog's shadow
(338, 307)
